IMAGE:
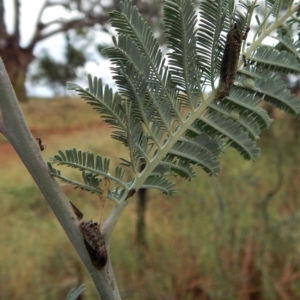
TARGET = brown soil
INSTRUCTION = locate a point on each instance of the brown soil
(7, 153)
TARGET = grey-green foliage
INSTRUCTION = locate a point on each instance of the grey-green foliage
(165, 111)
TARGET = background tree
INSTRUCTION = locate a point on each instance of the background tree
(79, 14)
(57, 74)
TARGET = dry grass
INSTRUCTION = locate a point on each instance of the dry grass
(213, 240)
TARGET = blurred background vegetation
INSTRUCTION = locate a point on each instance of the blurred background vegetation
(59, 39)
(232, 237)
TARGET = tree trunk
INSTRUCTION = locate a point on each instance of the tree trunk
(141, 210)
(16, 60)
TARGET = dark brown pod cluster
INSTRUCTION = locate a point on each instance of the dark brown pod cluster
(230, 61)
(94, 243)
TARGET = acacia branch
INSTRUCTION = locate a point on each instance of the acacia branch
(15, 129)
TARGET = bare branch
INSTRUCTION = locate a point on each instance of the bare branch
(17, 21)
(72, 24)
(39, 18)
(40, 26)
(89, 19)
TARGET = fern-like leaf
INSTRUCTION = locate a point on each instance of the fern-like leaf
(88, 186)
(129, 22)
(243, 107)
(106, 103)
(86, 162)
(197, 151)
(160, 183)
(180, 23)
(210, 41)
(288, 44)
(252, 120)
(272, 89)
(214, 123)
(274, 60)
(175, 166)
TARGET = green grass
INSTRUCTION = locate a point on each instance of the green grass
(215, 239)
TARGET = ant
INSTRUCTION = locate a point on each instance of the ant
(245, 61)
(42, 147)
(246, 33)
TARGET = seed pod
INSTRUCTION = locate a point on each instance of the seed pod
(94, 243)
(229, 61)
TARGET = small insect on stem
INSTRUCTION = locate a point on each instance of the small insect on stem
(94, 243)
(42, 147)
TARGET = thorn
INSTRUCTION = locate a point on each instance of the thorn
(130, 193)
(77, 212)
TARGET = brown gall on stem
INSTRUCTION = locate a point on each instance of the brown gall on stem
(94, 243)
(93, 240)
